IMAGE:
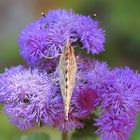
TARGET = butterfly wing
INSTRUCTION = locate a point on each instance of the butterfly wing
(67, 68)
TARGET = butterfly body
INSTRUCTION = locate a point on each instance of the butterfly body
(67, 68)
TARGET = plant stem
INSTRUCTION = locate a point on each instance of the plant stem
(65, 136)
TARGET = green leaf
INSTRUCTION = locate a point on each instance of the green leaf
(35, 136)
(86, 133)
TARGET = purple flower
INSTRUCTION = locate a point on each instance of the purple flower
(120, 99)
(121, 94)
(30, 96)
(118, 91)
(91, 36)
(87, 99)
(32, 42)
(33, 96)
(18, 115)
(47, 36)
(115, 127)
(4, 92)
(79, 27)
(91, 73)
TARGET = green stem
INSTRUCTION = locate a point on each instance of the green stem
(65, 136)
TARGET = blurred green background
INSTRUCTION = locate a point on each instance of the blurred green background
(120, 19)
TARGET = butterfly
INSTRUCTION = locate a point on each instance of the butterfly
(67, 69)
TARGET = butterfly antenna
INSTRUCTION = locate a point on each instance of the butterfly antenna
(43, 14)
(94, 15)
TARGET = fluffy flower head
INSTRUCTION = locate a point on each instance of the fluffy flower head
(30, 97)
(47, 36)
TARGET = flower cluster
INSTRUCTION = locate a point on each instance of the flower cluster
(47, 36)
(32, 95)
(29, 97)
(120, 103)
